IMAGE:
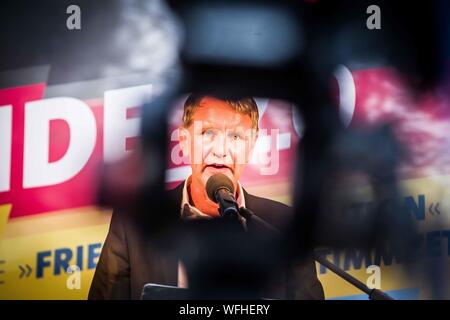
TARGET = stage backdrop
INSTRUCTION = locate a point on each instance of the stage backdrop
(53, 140)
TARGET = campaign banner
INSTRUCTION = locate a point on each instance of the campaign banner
(52, 146)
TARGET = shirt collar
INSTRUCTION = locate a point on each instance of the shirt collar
(185, 198)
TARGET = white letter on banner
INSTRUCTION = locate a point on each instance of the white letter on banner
(37, 171)
(5, 147)
(117, 128)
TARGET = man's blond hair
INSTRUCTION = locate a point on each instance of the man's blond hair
(245, 106)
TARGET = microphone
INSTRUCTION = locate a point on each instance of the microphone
(220, 189)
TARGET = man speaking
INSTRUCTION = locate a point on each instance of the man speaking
(217, 136)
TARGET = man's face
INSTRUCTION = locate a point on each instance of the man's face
(219, 140)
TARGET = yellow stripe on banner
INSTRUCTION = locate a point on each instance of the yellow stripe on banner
(36, 250)
(5, 210)
(35, 266)
(57, 220)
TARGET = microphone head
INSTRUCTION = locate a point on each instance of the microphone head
(216, 182)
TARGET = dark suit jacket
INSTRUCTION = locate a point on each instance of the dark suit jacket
(127, 261)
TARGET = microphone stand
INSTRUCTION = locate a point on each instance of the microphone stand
(374, 294)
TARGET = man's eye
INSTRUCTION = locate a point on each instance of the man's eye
(235, 136)
(208, 132)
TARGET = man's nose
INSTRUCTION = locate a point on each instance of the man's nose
(219, 146)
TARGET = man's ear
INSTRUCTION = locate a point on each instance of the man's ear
(184, 140)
